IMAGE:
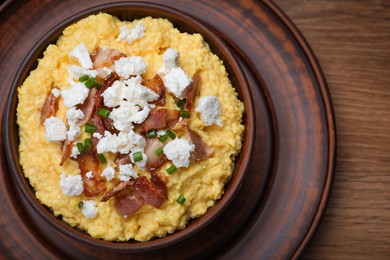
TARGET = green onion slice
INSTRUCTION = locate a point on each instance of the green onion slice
(88, 144)
(184, 113)
(171, 169)
(151, 133)
(80, 205)
(103, 112)
(84, 78)
(181, 200)
(90, 83)
(171, 134)
(90, 128)
(80, 147)
(137, 156)
(159, 151)
(163, 138)
(181, 103)
(101, 157)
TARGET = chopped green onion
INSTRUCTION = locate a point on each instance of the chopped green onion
(171, 169)
(90, 128)
(84, 78)
(181, 200)
(80, 205)
(101, 157)
(171, 134)
(80, 147)
(88, 144)
(184, 113)
(103, 112)
(151, 133)
(163, 138)
(159, 151)
(91, 83)
(137, 156)
(181, 103)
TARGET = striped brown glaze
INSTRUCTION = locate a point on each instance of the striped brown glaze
(288, 180)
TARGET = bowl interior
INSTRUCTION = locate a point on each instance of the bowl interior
(131, 11)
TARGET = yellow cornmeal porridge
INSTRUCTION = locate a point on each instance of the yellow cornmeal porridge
(201, 184)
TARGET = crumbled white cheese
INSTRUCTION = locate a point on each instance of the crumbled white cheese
(136, 92)
(137, 142)
(81, 54)
(209, 108)
(126, 171)
(121, 116)
(130, 35)
(113, 95)
(75, 72)
(128, 66)
(55, 129)
(71, 185)
(170, 60)
(109, 173)
(75, 152)
(89, 209)
(114, 143)
(141, 115)
(75, 95)
(73, 132)
(73, 115)
(142, 163)
(176, 81)
(56, 92)
(89, 175)
(97, 135)
(179, 151)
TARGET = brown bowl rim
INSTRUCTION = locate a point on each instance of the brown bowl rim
(11, 138)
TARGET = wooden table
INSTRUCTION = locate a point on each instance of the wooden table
(351, 40)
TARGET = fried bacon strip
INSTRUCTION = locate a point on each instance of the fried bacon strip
(89, 162)
(88, 107)
(160, 118)
(192, 91)
(131, 196)
(104, 58)
(157, 85)
(66, 150)
(202, 150)
(49, 108)
(154, 161)
(122, 159)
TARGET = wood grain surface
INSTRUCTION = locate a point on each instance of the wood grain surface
(351, 40)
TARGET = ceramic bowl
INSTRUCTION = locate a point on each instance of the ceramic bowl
(129, 11)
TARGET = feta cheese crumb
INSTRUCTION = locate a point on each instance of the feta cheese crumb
(209, 108)
(89, 209)
(73, 115)
(132, 34)
(75, 95)
(170, 60)
(126, 171)
(71, 185)
(136, 92)
(81, 54)
(56, 92)
(137, 142)
(141, 164)
(179, 151)
(55, 129)
(176, 81)
(121, 116)
(75, 152)
(109, 173)
(114, 143)
(97, 135)
(73, 132)
(126, 67)
(89, 175)
(113, 95)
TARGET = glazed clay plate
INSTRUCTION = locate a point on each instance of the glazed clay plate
(288, 181)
